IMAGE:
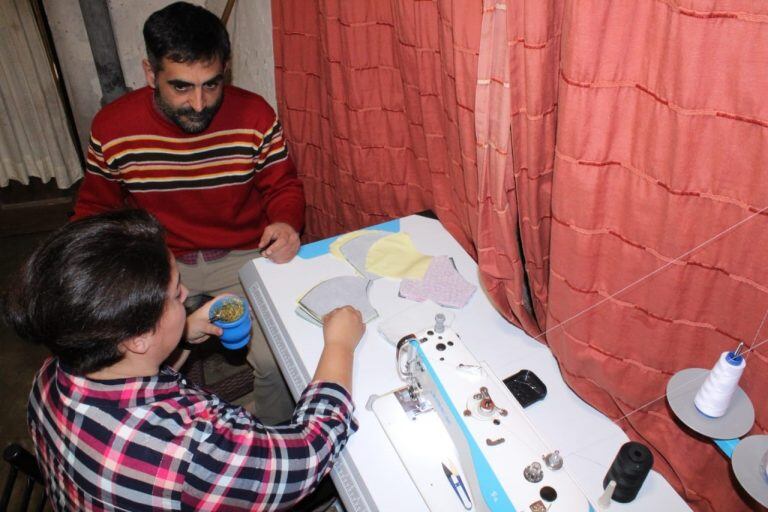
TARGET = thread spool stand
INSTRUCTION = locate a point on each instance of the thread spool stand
(747, 463)
(681, 392)
(747, 458)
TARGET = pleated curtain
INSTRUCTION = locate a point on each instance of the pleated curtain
(34, 137)
(604, 162)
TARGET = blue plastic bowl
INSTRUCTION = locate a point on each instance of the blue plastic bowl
(237, 333)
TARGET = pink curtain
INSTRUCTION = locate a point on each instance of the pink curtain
(659, 172)
(378, 111)
(624, 142)
(603, 161)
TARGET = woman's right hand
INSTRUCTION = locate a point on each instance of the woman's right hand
(343, 327)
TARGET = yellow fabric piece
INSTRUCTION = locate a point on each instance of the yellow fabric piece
(395, 256)
(335, 247)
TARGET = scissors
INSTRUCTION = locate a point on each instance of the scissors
(455, 480)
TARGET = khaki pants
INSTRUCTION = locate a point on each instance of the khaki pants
(273, 402)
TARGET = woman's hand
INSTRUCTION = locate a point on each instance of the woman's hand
(199, 327)
(342, 329)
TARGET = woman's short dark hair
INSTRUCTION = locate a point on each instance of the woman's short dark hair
(184, 32)
(89, 286)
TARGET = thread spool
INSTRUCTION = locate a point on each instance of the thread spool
(629, 469)
(714, 396)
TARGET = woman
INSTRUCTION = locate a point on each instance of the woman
(114, 428)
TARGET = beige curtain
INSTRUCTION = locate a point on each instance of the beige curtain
(34, 139)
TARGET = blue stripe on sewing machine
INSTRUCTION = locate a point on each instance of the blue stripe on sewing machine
(493, 492)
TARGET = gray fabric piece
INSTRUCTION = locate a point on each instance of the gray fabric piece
(356, 251)
(335, 293)
(306, 316)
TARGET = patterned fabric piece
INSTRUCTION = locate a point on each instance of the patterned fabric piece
(159, 443)
(442, 283)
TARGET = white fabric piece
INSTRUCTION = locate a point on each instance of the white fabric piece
(413, 319)
(34, 137)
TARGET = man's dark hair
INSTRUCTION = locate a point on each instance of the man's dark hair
(90, 285)
(184, 32)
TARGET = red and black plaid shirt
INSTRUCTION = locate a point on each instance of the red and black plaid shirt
(159, 443)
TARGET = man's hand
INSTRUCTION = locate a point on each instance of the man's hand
(279, 243)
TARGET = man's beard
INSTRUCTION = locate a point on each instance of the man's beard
(187, 118)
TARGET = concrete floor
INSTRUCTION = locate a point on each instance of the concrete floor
(19, 360)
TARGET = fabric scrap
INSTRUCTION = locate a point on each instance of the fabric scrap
(413, 319)
(442, 283)
(335, 247)
(356, 251)
(335, 293)
(396, 256)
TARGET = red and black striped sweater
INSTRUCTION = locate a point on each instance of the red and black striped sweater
(217, 189)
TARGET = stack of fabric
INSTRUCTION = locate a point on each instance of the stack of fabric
(376, 254)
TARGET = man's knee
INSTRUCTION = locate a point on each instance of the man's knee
(261, 359)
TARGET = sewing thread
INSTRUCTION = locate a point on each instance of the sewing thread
(714, 396)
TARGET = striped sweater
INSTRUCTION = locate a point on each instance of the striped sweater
(217, 189)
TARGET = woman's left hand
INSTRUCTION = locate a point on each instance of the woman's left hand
(199, 327)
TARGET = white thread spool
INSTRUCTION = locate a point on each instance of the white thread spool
(715, 394)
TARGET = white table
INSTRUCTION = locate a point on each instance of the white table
(369, 475)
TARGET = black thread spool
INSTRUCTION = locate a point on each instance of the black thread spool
(629, 469)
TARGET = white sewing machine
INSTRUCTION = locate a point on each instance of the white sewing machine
(464, 439)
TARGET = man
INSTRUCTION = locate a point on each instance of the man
(116, 430)
(209, 161)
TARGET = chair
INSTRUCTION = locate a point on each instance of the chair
(228, 387)
(22, 463)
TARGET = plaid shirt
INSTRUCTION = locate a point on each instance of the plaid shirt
(159, 443)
